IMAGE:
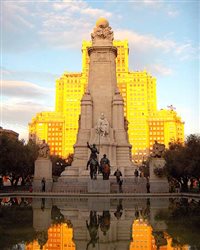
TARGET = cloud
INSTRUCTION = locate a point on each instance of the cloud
(25, 90)
(173, 13)
(56, 26)
(166, 7)
(145, 43)
(44, 78)
(152, 3)
(17, 113)
(158, 69)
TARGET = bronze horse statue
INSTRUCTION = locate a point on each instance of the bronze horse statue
(94, 165)
(105, 171)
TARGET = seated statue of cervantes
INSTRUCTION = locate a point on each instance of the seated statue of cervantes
(102, 126)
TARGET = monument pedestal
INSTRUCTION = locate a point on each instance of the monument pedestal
(99, 186)
(43, 169)
(157, 184)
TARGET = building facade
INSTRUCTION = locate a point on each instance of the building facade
(138, 89)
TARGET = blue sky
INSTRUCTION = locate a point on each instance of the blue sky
(40, 40)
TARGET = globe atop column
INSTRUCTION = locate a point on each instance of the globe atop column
(102, 33)
(102, 22)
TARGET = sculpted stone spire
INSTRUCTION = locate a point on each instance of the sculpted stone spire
(102, 33)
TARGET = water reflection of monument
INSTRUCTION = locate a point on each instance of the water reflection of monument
(101, 224)
(102, 115)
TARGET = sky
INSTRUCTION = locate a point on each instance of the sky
(40, 40)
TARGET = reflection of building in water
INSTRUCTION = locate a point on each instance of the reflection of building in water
(143, 238)
(59, 238)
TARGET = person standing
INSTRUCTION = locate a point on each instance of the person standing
(43, 184)
(148, 186)
(117, 174)
(136, 174)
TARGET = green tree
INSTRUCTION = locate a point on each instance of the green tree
(183, 161)
(16, 158)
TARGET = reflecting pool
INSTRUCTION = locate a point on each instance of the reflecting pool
(99, 223)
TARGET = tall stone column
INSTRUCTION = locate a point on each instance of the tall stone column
(102, 80)
(102, 109)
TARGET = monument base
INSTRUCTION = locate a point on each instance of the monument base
(43, 169)
(159, 186)
(99, 186)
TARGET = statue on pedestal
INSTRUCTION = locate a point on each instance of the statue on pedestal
(102, 127)
(93, 161)
(105, 167)
(158, 149)
(44, 150)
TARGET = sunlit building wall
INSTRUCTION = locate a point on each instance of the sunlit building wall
(140, 105)
(59, 238)
(165, 126)
(69, 91)
(49, 126)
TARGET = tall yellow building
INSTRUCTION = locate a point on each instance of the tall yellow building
(49, 126)
(140, 108)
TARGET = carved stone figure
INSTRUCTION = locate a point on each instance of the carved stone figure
(158, 149)
(102, 127)
(44, 150)
(102, 30)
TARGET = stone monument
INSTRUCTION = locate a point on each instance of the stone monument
(102, 111)
(158, 182)
(43, 169)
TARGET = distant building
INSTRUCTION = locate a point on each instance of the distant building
(10, 133)
(49, 126)
(138, 89)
